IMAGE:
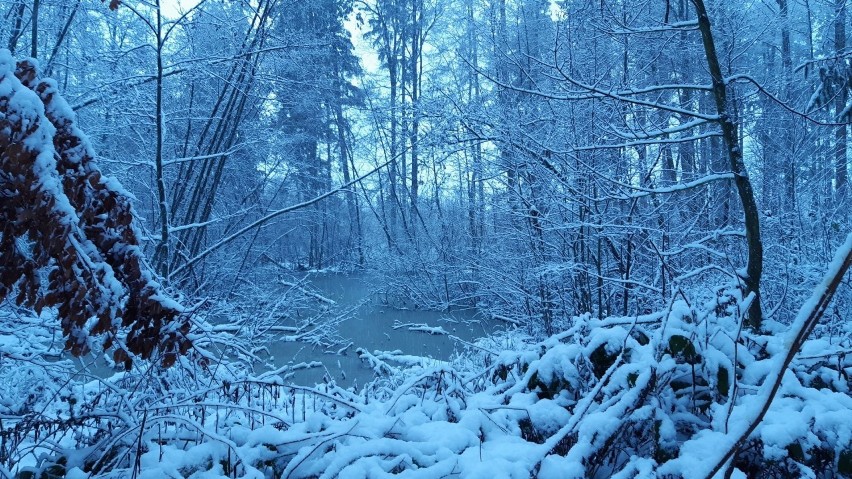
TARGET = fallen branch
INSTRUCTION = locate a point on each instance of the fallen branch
(808, 317)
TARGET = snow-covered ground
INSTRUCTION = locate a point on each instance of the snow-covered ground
(661, 395)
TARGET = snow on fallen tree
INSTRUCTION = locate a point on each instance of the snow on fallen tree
(63, 220)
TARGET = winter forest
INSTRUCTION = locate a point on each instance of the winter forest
(425, 238)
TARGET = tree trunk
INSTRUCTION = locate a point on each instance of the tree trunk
(61, 38)
(394, 140)
(840, 144)
(343, 152)
(17, 27)
(163, 246)
(34, 25)
(787, 141)
(754, 269)
(416, 43)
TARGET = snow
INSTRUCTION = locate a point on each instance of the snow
(25, 106)
(421, 327)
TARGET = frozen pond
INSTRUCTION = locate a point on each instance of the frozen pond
(373, 325)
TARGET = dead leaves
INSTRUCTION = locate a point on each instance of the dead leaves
(90, 258)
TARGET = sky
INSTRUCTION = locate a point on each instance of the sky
(173, 8)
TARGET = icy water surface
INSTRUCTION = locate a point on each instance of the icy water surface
(373, 325)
